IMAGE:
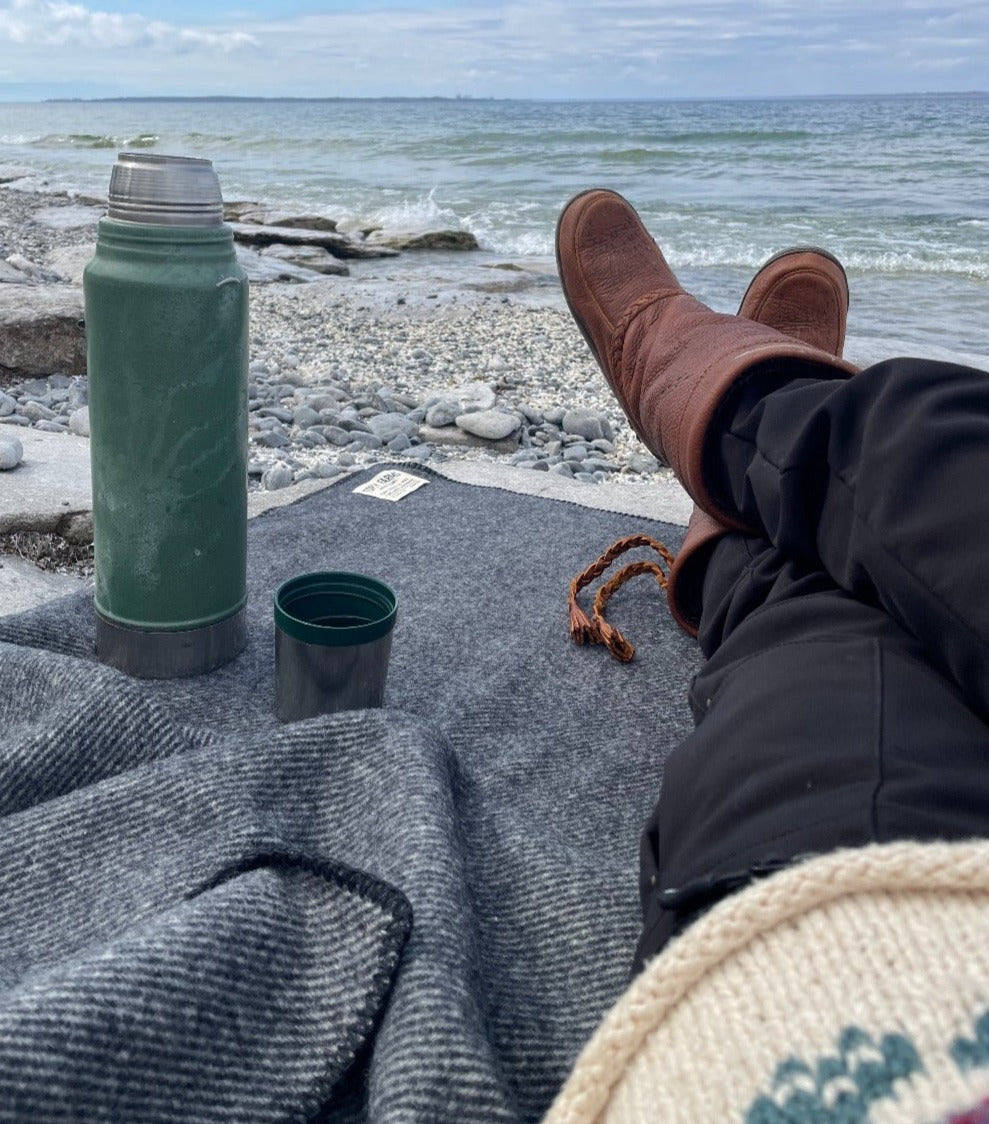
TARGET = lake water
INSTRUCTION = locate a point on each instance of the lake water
(894, 186)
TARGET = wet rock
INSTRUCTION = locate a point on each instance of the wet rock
(423, 240)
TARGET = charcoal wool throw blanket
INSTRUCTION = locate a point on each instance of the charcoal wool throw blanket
(414, 913)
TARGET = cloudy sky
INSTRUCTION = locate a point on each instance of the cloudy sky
(483, 48)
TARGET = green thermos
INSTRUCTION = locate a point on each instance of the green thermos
(166, 327)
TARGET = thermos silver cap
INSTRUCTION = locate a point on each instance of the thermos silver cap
(165, 190)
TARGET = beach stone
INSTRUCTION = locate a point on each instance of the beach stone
(534, 417)
(555, 416)
(305, 416)
(326, 398)
(645, 463)
(79, 421)
(326, 470)
(273, 439)
(7, 405)
(276, 477)
(588, 424)
(358, 440)
(442, 413)
(42, 330)
(78, 393)
(399, 444)
(391, 425)
(575, 453)
(336, 435)
(492, 425)
(476, 396)
(279, 413)
(11, 453)
(37, 412)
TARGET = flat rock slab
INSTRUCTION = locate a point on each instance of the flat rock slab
(42, 331)
(262, 269)
(339, 245)
(49, 486)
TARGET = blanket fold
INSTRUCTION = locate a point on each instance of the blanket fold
(414, 913)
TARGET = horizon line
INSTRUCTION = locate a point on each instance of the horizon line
(500, 98)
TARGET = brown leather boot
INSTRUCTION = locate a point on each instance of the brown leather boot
(669, 359)
(802, 292)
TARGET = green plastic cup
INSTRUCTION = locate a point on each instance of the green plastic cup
(333, 632)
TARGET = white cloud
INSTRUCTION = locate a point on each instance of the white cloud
(53, 23)
(567, 48)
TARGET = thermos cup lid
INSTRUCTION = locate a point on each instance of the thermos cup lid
(165, 190)
(335, 608)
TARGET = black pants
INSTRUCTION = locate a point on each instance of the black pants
(846, 692)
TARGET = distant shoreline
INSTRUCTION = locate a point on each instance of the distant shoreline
(233, 98)
(254, 98)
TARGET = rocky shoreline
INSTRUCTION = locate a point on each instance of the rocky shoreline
(356, 355)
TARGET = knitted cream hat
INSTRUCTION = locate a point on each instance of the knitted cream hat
(850, 988)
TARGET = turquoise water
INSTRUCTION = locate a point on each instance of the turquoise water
(895, 186)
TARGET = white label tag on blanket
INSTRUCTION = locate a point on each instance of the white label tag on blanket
(391, 485)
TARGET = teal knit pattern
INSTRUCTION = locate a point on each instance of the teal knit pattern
(839, 1088)
(842, 1087)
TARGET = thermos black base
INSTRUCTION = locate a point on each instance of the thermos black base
(156, 654)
